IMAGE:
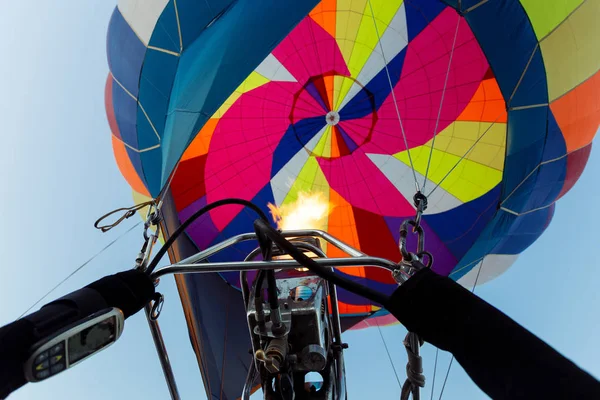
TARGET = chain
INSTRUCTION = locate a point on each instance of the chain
(412, 263)
(153, 217)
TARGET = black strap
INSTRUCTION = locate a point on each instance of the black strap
(504, 359)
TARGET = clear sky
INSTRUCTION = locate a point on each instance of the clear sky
(59, 175)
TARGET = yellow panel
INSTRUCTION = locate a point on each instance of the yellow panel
(571, 52)
(310, 180)
(459, 136)
(253, 81)
(366, 39)
(323, 147)
(349, 14)
(546, 15)
(468, 181)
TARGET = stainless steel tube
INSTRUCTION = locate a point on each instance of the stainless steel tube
(162, 354)
(275, 264)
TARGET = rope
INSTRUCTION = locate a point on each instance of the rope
(80, 267)
(437, 351)
(465, 154)
(414, 368)
(437, 122)
(446, 378)
(129, 212)
(388, 353)
(387, 71)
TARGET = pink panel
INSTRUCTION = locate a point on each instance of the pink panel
(306, 106)
(310, 51)
(421, 85)
(241, 149)
(363, 185)
(358, 129)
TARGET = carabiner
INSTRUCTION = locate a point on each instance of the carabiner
(406, 255)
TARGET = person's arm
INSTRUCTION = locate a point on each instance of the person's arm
(504, 359)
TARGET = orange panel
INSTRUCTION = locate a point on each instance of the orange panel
(578, 113)
(201, 142)
(324, 15)
(328, 81)
(341, 225)
(352, 309)
(487, 104)
(335, 148)
(126, 167)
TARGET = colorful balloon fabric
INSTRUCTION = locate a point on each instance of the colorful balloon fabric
(487, 107)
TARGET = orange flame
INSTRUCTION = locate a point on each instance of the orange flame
(309, 211)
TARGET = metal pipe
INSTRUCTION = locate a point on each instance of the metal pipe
(252, 236)
(275, 264)
(337, 333)
(151, 242)
(341, 376)
(162, 354)
(335, 313)
(246, 297)
(204, 254)
(249, 384)
(244, 276)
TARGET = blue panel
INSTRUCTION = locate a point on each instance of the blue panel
(506, 234)
(195, 15)
(460, 227)
(543, 186)
(555, 146)
(136, 161)
(466, 4)
(486, 242)
(125, 52)
(540, 189)
(525, 230)
(526, 136)
(420, 13)
(150, 159)
(215, 64)
(242, 223)
(289, 144)
(533, 88)
(506, 36)
(125, 108)
(166, 33)
(155, 86)
(377, 90)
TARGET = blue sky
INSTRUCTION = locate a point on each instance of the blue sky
(59, 175)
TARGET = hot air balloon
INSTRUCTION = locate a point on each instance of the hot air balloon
(487, 108)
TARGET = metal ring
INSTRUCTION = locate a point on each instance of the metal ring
(157, 305)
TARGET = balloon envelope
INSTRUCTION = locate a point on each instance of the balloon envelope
(489, 111)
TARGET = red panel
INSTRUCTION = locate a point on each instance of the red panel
(576, 162)
(188, 183)
(108, 105)
(375, 240)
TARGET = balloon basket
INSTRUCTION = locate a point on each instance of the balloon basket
(296, 335)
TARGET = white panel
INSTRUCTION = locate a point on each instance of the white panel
(274, 70)
(142, 15)
(282, 182)
(393, 41)
(401, 176)
(493, 266)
